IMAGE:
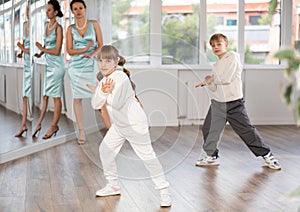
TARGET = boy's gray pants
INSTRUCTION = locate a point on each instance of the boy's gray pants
(235, 113)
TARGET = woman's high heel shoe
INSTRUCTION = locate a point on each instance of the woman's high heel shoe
(81, 139)
(20, 133)
(37, 131)
(54, 130)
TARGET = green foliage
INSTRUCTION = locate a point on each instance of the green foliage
(290, 90)
(118, 10)
(272, 6)
(288, 94)
(180, 38)
(265, 19)
(249, 59)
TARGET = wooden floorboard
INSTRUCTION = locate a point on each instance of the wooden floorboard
(10, 124)
(66, 177)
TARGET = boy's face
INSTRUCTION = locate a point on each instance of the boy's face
(219, 47)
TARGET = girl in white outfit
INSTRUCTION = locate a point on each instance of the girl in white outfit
(129, 122)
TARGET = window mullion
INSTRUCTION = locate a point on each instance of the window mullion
(155, 33)
(241, 30)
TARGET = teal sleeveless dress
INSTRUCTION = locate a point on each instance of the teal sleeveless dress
(27, 70)
(55, 67)
(82, 71)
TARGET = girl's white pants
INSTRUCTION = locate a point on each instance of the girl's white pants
(140, 141)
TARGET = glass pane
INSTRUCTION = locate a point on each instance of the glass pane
(17, 32)
(262, 32)
(8, 41)
(2, 41)
(130, 29)
(180, 32)
(296, 29)
(221, 18)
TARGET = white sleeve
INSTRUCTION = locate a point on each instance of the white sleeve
(121, 92)
(227, 69)
(212, 86)
(99, 98)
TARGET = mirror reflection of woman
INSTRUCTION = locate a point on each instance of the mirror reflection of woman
(84, 40)
(26, 91)
(55, 67)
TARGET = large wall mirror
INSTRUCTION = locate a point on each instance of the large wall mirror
(28, 114)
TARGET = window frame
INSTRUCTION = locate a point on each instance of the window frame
(155, 28)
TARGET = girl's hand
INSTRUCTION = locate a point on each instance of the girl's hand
(92, 87)
(108, 85)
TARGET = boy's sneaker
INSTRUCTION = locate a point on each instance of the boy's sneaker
(165, 198)
(208, 161)
(109, 190)
(271, 162)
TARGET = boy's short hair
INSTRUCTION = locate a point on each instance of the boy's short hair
(217, 37)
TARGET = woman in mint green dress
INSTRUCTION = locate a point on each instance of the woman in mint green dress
(25, 48)
(84, 40)
(55, 67)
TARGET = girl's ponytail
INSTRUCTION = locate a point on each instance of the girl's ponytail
(121, 63)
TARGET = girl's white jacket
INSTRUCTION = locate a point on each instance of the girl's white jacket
(123, 108)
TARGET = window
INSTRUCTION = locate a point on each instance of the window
(262, 33)
(231, 22)
(180, 32)
(130, 29)
(254, 20)
(2, 41)
(8, 41)
(220, 21)
(17, 32)
(228, 10)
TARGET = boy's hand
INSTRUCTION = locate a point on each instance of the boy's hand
(209, 79)
(108, 85)
(92, 87)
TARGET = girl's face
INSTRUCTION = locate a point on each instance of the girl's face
(107, 66)
(50, 12)
(219, 47)
(78, 10)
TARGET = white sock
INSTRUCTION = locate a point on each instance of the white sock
(114, 182)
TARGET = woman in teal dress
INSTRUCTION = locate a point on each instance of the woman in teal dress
(84, 40)
(26, 91)
(55, 67)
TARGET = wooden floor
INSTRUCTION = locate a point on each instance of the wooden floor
(65, 178)
(10, 125)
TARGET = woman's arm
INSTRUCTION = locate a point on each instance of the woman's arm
(59, 38)
(21, 46)
(99, 39)
(70, 48)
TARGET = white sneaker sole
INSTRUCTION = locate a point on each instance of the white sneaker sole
(164, 205)
(207, 164)
(110, 194)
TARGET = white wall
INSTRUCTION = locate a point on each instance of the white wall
(169, 96)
